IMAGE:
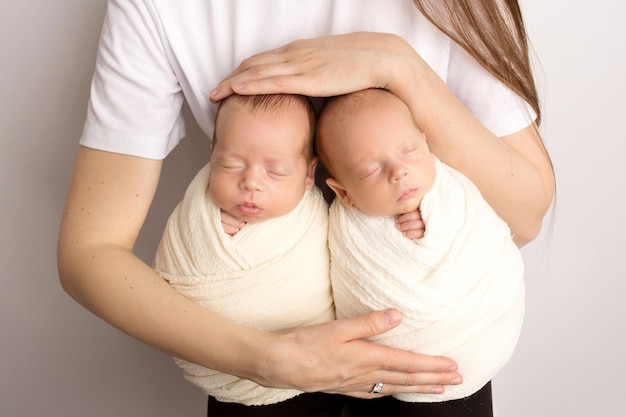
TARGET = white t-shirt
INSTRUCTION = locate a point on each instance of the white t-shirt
(154, 54)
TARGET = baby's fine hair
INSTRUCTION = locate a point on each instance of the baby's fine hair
(274, 103)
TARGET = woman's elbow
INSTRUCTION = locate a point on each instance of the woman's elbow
(530, 226)
(526, 233)
(73, 260)
(69, 281)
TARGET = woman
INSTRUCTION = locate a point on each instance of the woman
(155, 54)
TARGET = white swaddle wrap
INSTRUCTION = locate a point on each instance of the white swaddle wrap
(460, 287)
(272, 275)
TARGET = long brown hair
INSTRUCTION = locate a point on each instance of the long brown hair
(493, 32)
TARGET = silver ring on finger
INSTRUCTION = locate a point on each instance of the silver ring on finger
(378, 387)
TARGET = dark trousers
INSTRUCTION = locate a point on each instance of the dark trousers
(303, 405)
(478, 404)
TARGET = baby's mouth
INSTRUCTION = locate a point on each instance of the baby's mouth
(249, 209)
(407, 194)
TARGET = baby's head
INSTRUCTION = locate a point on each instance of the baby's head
(377, 158)
(262, 158)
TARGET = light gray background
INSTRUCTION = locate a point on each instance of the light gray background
(59, 360)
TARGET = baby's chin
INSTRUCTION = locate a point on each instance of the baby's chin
(408, 206)
(263, 217)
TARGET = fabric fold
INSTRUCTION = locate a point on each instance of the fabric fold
(460, 287)
(272, 275)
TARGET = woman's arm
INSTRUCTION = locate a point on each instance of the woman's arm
(108, 200)
(515, 174)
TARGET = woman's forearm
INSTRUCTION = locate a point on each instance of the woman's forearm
(514, 173)
(124, 291)
(329, 357)
(108, 200)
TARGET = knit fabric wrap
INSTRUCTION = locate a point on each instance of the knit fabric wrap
(272, 275)
(460, 287)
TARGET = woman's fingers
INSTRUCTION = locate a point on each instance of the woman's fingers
(334, 357)
(279, 77)
(258, 72)
(317, 67)
(273, 71)
(367, 390)
(422, 374)
(368, 325)
(398, 370)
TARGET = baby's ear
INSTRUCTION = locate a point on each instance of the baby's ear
(310, 174)
(340, 191)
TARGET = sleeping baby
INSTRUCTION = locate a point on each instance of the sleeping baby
(249, 239)
(460, 285)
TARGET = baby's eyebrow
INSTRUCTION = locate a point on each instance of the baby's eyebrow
(284, 159)
(227, 158)
(275, 160)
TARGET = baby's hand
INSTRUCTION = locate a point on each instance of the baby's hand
(411, 224)
(230, 224)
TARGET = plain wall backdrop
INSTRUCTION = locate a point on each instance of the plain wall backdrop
(59, 360)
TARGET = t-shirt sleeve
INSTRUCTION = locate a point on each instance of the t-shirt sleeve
(135, 102)
(495, 105)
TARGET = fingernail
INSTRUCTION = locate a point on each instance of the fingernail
(437, 390)
(392, 317)
(239, 86)
(456, 381)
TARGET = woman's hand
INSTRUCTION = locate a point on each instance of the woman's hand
(333, 357)
(109, 197)
(320, 67)
(514, 175)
